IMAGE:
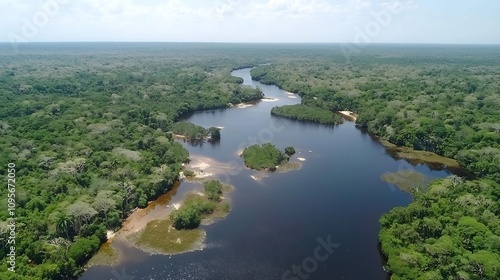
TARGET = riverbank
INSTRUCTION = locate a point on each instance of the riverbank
(415, 156)
(349, 115)
(407, 153)
(150, 229)
(108, 253)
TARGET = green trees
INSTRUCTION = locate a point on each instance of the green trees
(214, 133)
(448, 232)
(89, 129)
(90, 135)
(195, 132)
(186, 218)
(63, 224)
(188, 173)
(289, 151)
(422, 101)
(265, 156)
(196, 207)
(189, 130)
(83, 248)
(213, 189)
(307, 113)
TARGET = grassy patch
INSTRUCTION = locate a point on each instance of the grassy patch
(220, 210)
(288, 166)
(161, 237)
(415, 156)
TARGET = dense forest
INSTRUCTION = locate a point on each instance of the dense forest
(452, 231)
(442, 99)
(90, 129)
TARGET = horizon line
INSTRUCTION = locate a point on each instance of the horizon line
(261, 43)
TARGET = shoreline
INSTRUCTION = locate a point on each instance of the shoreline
(349, 115)
(413, 156)
(179, 241)
(158, 211)
(402, 152)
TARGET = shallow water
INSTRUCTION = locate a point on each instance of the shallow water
(277, 222)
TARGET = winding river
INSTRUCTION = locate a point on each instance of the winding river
(278, 222)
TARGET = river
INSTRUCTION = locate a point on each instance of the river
(279, 222)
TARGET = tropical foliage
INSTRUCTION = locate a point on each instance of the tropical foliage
(452, 231)
(265, 156)
(197, 207)
(89, 129)
(443, 100)
(307, 113)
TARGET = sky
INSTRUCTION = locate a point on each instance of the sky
(319, 21)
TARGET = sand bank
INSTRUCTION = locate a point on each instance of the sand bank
(349, 115)
(269, 99)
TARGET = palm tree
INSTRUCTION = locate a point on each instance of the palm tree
(63, 223)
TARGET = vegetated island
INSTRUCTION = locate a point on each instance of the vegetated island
(180, 232)
(307, 113)
(267, 157)
(193, 132)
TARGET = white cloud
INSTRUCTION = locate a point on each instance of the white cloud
(240, 20)
(294, 8)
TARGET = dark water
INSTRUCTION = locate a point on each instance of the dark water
(279, 222)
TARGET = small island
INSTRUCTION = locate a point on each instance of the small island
(180, 232)
(307, 113)
(266, 156)
(193, 132)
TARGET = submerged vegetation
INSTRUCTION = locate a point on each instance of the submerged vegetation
(265, 156)
(160, 237)
(408, 180)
